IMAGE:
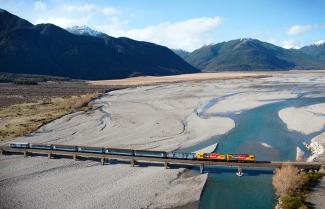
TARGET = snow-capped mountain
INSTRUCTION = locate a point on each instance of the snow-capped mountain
(84, 30)
(316, 50)
(319, 43)
(51, 50)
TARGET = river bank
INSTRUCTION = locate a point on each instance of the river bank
(308, 120)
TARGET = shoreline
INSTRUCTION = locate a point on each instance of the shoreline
(307, 120)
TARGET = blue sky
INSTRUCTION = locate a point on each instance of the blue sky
(185, 24)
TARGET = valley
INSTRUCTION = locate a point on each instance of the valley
(162, 104)
(164, 116)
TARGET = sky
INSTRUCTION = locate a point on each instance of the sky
(185, 24)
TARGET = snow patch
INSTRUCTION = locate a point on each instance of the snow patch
(319, 43)
(83, 30)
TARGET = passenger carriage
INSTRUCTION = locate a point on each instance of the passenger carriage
(99, 150)
(150, 153)
(61, 147)
(116, 151)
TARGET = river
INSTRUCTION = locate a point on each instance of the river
(259, 131)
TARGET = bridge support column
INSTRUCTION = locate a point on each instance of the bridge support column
(133, 162)
(49, 155)
(166, 165)
(75, 157)
(102, 160)
(202, 168)
(25, 154)
(239, 172)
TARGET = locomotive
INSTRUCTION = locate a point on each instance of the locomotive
(139, 153)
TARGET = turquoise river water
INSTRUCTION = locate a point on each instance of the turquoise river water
(224, 190)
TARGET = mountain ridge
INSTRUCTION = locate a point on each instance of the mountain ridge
(251, 54)
(50, 50)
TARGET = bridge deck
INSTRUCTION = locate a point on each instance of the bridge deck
(257, 164)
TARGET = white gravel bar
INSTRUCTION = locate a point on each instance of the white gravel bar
(307, 120)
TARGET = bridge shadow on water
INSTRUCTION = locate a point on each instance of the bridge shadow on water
(233, 170)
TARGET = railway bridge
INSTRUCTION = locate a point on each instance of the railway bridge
(105, 159)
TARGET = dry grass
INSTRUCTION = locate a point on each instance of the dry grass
(292, 186)
(287, 180)
(148, 80)
(21, 119)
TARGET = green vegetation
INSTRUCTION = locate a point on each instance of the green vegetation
(313, 178)
(291, 186)
(292, 201)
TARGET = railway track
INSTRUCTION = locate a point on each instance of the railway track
(105, 159)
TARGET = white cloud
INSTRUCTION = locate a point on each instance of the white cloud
(114, 27)
(287, 44)
(290, 44)
(189, 34)
(90, 8)
(68, 15)
(298, 29)
(39, 5)
(63, 21)
(110, 11)
(85, 8)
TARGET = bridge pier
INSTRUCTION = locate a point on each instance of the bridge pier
(25, 153)
(239, 172)
(102, 160)
(133, 162)
(49, 155)
(75, 157)
(201, 168)
(166, 165)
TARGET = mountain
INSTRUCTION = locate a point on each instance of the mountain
(182, 53)
(250, 54)
(46, 49)
(316, 50)
(84, 30)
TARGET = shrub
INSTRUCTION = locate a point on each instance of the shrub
(25, 82)
(287, 180)
(314, 178)
(292, 202)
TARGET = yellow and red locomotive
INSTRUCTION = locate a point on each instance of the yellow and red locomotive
(226, 157)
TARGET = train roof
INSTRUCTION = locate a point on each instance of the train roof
(148, 150)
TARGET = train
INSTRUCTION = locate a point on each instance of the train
(139, 153)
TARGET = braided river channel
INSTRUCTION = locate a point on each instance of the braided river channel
(259, 131)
